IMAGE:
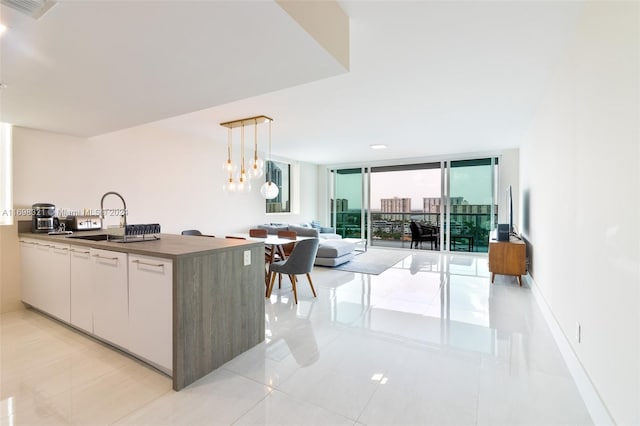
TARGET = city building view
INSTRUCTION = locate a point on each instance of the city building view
(390, 222)
(380, 204)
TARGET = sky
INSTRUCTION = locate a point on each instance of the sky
(472, 183)
(414, 184)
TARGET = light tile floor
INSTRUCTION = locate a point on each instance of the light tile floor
(429, 341)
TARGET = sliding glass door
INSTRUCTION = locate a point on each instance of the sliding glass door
(400, 195)
(453, 200)
(472, 206)
(348, 204)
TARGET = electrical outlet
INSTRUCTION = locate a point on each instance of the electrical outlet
(578, 332)
(247, 257)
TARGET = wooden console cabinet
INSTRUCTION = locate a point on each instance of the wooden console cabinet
(507, 258)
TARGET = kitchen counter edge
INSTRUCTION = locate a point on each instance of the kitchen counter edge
(169, 246)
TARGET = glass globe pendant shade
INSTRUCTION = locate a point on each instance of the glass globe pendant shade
(240, 182)
(230, 186)
(229, 167)
(269, 190)
(256, 171)
(243, 183)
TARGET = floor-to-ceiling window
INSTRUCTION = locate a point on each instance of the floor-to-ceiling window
(456, 198)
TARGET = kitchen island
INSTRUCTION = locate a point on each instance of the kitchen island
(214, 295)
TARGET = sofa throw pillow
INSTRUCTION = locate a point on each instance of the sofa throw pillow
(303, 231)
(315, 224)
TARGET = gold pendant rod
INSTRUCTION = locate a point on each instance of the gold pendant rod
(246, 121)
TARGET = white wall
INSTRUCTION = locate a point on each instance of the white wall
(581, 200)
(9, 269)
(167, 178)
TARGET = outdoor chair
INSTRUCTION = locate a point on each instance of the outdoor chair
(420, 233)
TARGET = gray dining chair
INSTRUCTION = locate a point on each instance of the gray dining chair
(299, 262)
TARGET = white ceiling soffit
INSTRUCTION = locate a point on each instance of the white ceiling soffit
(88, 68)
(326, 22)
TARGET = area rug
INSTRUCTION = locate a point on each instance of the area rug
(373, 261)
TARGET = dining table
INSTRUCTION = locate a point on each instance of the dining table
(276, 245)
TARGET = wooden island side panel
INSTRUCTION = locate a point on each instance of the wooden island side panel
(218, 311)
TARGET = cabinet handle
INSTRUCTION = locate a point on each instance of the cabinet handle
(59, 248)
(27, 242)
(157, 265)
(79, 252)
(105, 258)
(43, 245)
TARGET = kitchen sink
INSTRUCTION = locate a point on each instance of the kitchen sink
(117, 238)
(98, 237)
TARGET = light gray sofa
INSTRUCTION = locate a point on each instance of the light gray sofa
(310, 229)
(332, 251)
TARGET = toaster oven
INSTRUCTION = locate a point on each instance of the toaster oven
(84, 223)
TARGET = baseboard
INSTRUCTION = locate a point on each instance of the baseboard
(597, 409)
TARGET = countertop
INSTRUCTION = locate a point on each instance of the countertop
(169, 246)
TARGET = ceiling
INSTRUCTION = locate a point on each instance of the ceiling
(426, 78)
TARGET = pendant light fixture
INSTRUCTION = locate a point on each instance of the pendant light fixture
(238, 175)
(243, 183)
(257, 164)
(269, 190)
(230, 184)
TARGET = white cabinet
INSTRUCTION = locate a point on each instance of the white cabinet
(30, 267)
(81, 288)
(126, 300)
(150, 309)
(110, 296)
(45, 277)
(55, 283)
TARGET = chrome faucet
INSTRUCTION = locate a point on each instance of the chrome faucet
(124, 204)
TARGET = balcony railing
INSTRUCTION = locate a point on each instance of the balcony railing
(469, 231)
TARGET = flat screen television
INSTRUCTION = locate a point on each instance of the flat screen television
(505, 229)
(510, 207)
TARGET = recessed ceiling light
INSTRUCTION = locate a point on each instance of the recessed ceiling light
(3, 28)
(3, 86)
(378, 146)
